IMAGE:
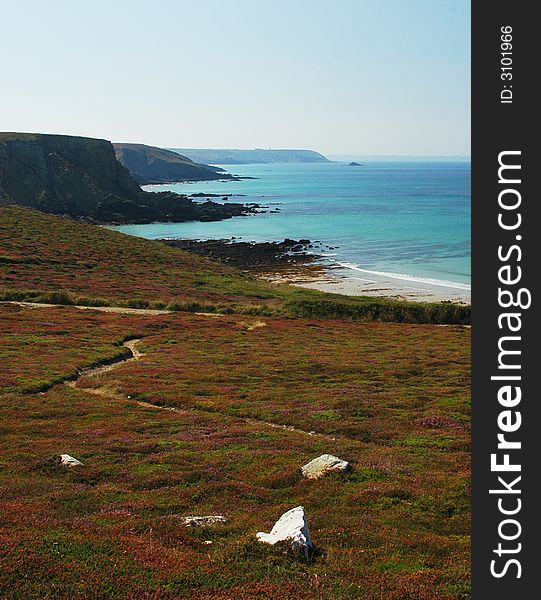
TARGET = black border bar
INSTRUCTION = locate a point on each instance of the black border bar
(511, 128)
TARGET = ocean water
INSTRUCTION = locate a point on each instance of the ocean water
(405, 220)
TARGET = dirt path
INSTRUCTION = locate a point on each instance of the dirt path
(121, 310)
(93, 371)
(109, 309)
(110, 392)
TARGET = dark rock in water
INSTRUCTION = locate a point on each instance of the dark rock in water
(168, 207)
(249, 255)
(354, 164)
(207, 195)
(82, 179)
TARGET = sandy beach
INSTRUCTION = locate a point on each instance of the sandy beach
(303, 263)
(341, 280)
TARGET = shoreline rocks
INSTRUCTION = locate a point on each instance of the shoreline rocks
(251, 255)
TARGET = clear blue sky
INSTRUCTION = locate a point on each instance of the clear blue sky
(342, 76)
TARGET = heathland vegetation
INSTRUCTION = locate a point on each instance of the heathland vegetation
(239, 383)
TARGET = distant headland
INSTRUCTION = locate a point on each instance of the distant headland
(224, 156)
(148, 164)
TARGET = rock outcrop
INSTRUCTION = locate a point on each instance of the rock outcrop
(322, 465)
(68, 461)
(148, 164)
(293, 528)
(61, 174)
(256, 256)
(81, 178)
(196, 521)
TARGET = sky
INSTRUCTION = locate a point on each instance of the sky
(362, 77)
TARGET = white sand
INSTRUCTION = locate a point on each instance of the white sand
(340, 280)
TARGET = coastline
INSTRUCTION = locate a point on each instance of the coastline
(303, 263)
(336, 279)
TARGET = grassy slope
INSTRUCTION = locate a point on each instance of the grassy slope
(47, 258)
(394, 396)
(45, 252)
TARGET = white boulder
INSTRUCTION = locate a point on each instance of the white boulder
(68, 461)
(322, 465)
(292, 527)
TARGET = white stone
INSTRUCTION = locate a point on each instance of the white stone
(292, 527)
(322, 465)
(195, 521)
(68, 461)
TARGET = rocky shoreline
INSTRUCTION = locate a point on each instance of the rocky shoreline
(302, 262)
(168, 207)
(260, 257)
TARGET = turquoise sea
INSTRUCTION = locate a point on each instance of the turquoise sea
(404, 219)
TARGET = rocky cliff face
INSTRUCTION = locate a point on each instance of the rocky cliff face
(148, 164)
(62, 174)
(81, 178)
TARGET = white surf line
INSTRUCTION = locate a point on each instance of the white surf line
(411, 278)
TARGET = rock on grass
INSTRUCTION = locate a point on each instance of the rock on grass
(200, 521)
(68, 461)
(291, 527)
(322, 465)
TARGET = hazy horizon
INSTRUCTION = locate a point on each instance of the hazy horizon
(338, 156)
(359, 77)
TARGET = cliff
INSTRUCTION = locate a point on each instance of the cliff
(258, 155)
(61, 174)
(148, 164)
(81, 178)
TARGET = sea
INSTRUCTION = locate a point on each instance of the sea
(406, 221)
